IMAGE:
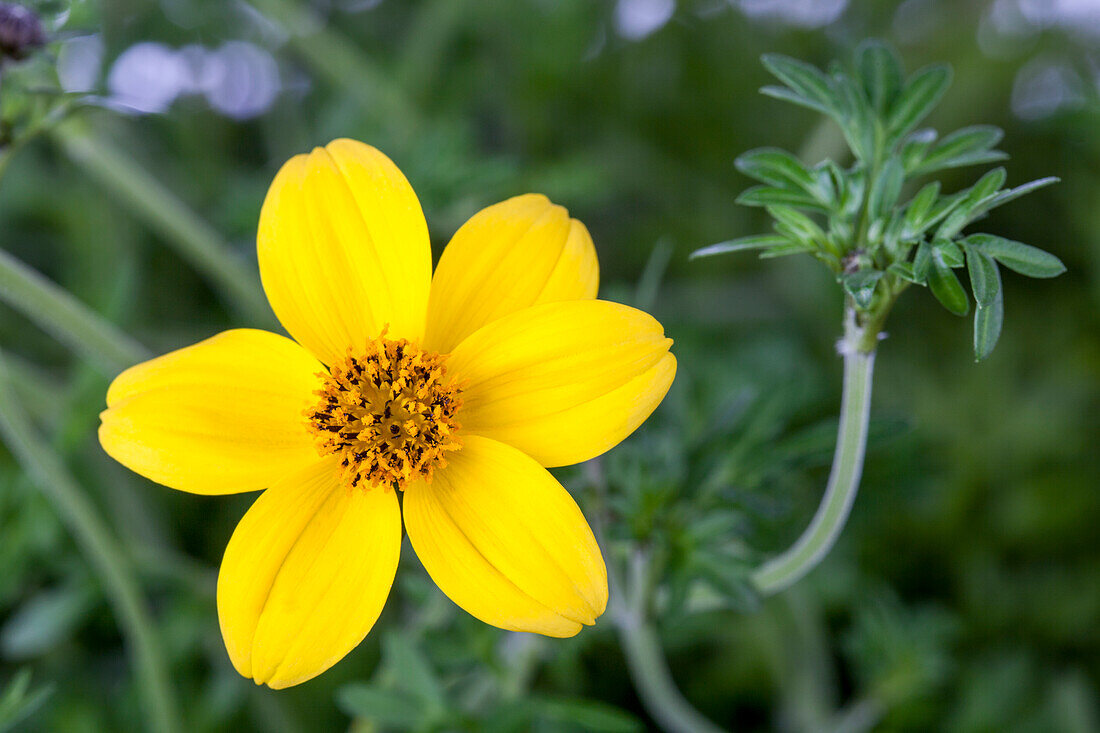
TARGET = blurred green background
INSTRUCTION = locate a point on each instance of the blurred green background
(963, 596)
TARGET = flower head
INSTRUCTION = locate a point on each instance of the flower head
(457, 390)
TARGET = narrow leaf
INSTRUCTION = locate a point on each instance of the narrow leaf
(756, 241)
(948, 252)
(919, 208)
(777, 167)
(904, 270)
(790, 248)
(861, 286)
(805, 79)
(968, 146)
(988, 321)
(1003, 197)
(947, 288)
(985, 280)
(887, 188)
(785, 94)
(1023, 258)
(922, 92)
(915, 147)
(922, 261)
(881, 72)
(772, 196)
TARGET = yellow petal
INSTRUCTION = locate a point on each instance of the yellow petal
(507, 257)
(502, 538)
(222, 416)
(344, 249)
(306, 574)
(563, 382)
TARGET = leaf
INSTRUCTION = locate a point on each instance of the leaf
(587, 715)
(413, 670)
(916, 146)
(1004, 197)
(922, 92)
(988, 321)
(861, 286)
(777, 167)
(887, 188)
(948, 252)
(905, 271)
(799, 226)
(968, 146)
(757, 241)
(919, 208)
(947, 289)
(986, 186)
(1017, 256)
(383, 706)
(785, 94)
(985, 280)
(804, 79)
(790, 248)
(922, 261)
(772, 196)
(18, 702)
(881, 72)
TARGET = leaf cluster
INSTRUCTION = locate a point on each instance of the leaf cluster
(857, 220)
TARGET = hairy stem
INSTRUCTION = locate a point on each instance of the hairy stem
(645, 660)
(91, 533)
(855, 410)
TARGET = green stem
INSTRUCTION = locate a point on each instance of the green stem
(92, 534)
(65, 318)
(150, 200)
(645, 659)
(855, 409)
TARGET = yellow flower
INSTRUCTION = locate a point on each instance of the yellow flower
(457, 390)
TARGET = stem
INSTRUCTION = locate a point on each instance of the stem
(645, 660)
(92, 534)
(66, 318)
(855, 410)
(150, 200)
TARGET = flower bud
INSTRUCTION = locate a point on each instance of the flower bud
(20, 31)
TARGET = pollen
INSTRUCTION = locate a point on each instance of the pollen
(388, 412)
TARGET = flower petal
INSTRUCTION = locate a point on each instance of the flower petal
(344, 249)
(222, 416)
(563, 382)
(507, 257)
(502, 538)
(306, 574)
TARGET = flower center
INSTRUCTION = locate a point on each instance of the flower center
(388, 413)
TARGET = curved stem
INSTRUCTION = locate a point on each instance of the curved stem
(66, 318)
(855, 410)
(97, 542)
(645, 660)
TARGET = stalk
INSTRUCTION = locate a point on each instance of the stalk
(811, 548)
(151, 201)
(100, 547)
(66, 318)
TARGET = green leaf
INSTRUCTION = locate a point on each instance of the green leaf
(1003, 197)
(756, 241)
(988, 321)
(881, 72)
(18, 702)
(1017, 256)
(986, 186)
(777, 167)
(861, 286)
(785, 94)
(947, 289)
(916, 146)
(922, 261)
(919, 208)
(905, 271)
(383, 706)
(968, 146)
(790, 248)
(985, 280)
(922, 92)
(772, 196)
(806, 80)
(587, 715)
(887, 188)
(413, 670)
(948, 252)
(795, 224)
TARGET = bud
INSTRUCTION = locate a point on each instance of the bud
(20, 31)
